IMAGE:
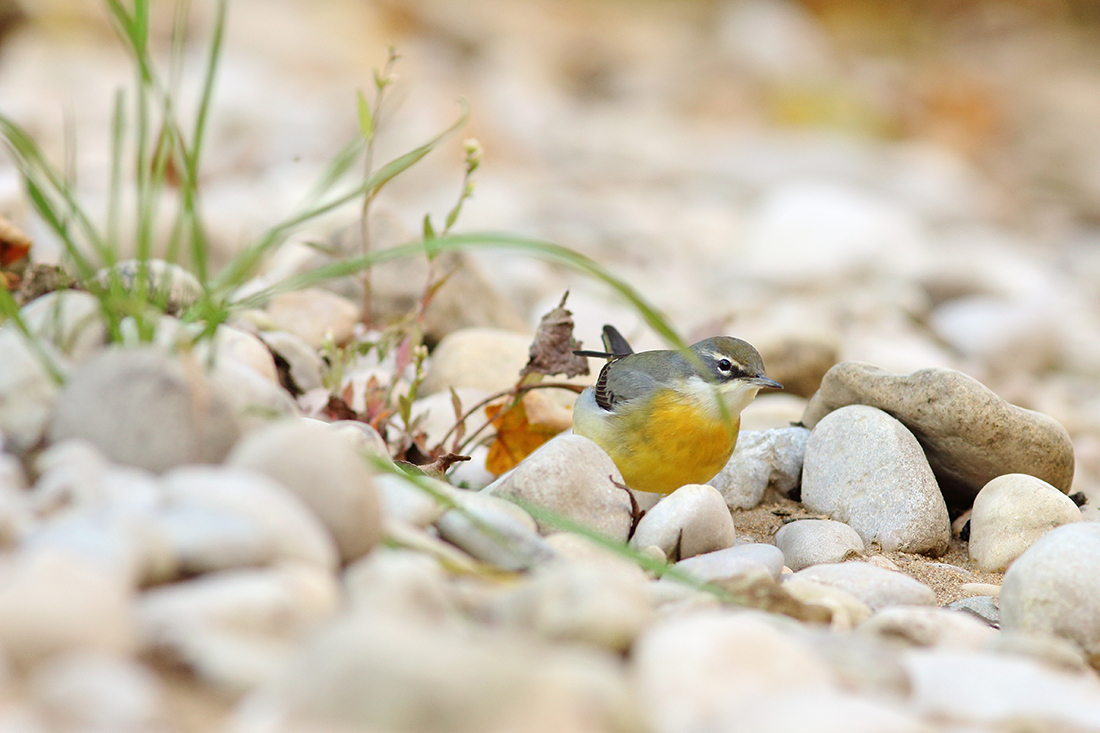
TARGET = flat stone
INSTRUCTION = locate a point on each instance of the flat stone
(982, 607)
(1010, 513)
(1051, 588)
(146, 409)
(761, 460)
(806, 542)
(325, 472)
(969, 434)
(729, 563)
(692, 520)
(573, 477)
(864, 468)
(876, 587)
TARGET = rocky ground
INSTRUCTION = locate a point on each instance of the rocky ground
(898, 207)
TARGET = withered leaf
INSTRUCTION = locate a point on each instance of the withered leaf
(552, 349)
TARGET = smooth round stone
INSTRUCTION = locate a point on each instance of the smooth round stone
(494, 531)
(224, 518)
(812, 542)
(146, 409)
(407, 502)
(1010, 513)
(875, 586)
(27, 392)
(254, 399)
(237, 629)
(1053, 651)
(696, 671)
(361, 437)
(865, 469)
(807, 542)
(166, 281)
(921, 626)
(244, 347)
(402, 583)
(762, 459)
(999, 691)
(488, 359)
(53, 601)
(99, 692)
(969, 434)
(692, 520)
(372, 671)
(325, 472)
(571, 476)
(1051, 588)
(314, 315)
(303, 361)
(71, 320)
(589, 603)
(732, 562)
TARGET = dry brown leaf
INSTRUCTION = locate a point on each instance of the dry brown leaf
(14, 244)
(552, 349)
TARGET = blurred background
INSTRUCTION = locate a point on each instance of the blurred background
(911, 184)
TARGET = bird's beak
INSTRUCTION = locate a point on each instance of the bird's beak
(765, 382)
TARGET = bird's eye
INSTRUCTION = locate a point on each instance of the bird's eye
(725, 366)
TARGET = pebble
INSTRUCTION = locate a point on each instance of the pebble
(807, 542)
(225, 518)
(573, 477)
(488, 359)
(304, 364)
(692, 520)
(16, 517)
(40, 618)
(864, 468)
(697, 671)
(236, 629)
(325, 472)
(969, 434)
(996, 690)
(254, 399)
(402, 583)
(732, 562)
(96, 691)
(70, 320)
(165, 282)
(598, 604)
(1051, 588)
(876, 587)
(27, 392)
(143, 408)
(921, 626)
(1052, 651)
(404, 501)
(762, 460)
(1010, 513)
(493, 530)
(315, 316)
(435, 413)
(371, 672)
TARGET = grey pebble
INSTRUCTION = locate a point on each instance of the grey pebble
(806, 542)
(762, 459)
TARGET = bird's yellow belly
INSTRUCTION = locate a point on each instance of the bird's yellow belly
(662, 446)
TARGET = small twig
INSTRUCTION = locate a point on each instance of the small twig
(515, 391)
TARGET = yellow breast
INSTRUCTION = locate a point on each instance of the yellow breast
(662, 443)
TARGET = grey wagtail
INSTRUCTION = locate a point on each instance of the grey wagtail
(657, 413)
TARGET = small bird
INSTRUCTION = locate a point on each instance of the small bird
(657, 413)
